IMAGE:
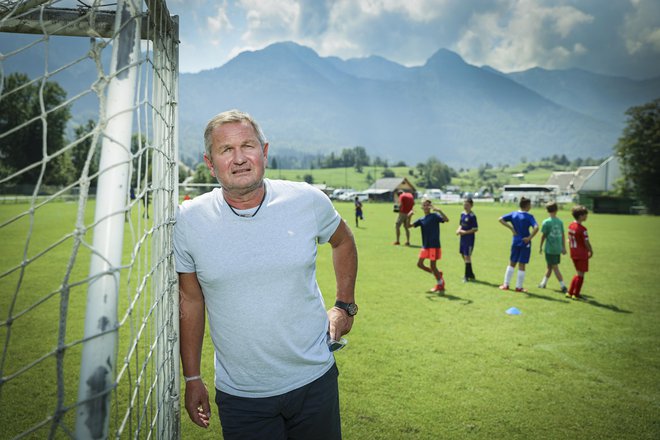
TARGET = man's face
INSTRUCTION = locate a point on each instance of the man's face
(426, 207)
(237, 160)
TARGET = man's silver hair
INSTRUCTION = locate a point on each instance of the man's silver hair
(226, 118)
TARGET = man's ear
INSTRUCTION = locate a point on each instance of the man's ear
(209, 165)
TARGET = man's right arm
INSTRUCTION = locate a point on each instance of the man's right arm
(191, 330)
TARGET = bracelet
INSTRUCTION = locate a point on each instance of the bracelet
(191, 378)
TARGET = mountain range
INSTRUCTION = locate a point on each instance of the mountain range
(462, 114)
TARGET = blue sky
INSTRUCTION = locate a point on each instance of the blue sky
(613, 37)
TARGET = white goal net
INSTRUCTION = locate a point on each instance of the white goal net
(88, 192)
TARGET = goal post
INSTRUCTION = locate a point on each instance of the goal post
(88, 291)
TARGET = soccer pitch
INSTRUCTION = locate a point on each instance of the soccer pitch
(453, 366)
(424, 366)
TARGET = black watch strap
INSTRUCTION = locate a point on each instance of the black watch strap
(350, 308)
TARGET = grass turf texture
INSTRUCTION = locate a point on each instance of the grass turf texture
(426, 366)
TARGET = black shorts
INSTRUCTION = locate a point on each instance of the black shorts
(309, 412)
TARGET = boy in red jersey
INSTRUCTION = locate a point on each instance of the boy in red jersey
(581, 250)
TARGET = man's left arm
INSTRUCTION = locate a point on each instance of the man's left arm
(345, 262)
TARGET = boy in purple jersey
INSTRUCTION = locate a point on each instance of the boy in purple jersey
(519, 222)
(431, 249)
(466, 231)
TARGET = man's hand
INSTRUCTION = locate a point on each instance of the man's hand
(197, 403)
(340, 323)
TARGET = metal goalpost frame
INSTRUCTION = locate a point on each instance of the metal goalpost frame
(100, 369)
(96, 381)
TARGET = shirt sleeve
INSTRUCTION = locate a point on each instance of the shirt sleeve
(183, 260)
(327, 217)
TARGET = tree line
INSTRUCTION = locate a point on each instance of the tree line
(34, 118)
(28, 109)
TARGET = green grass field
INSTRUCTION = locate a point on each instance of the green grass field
(455, 366)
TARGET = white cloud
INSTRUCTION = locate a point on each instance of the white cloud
(641, 30)
(617, 37)
(526, 34)
(220, 22)
(269, 21)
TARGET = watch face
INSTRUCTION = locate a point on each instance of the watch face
(352, 309)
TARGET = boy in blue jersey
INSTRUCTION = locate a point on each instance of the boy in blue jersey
(466, 231)
(431, 249)
(519, 222)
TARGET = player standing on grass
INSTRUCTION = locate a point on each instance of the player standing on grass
(581, 250)
(431, 249)
(519, 222)
(406, 204)
(552, 233)
(466, 231)
(358, 211)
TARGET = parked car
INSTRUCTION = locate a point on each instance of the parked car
(336, 194)
(350, 195)
(433, 194)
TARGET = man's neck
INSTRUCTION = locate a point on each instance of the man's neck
(245, 200)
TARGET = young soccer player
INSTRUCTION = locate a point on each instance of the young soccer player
(581, 250)
(466, 231)
(431, 249)
(519, 222)
(552, 234)
(358, 211)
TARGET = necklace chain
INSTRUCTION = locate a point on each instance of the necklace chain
(248, 215)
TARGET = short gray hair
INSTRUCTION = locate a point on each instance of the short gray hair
(228, 117)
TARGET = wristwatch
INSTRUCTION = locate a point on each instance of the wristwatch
(351, 308)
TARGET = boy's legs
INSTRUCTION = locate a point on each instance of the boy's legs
(581, 267)
(513, 260)
(400, 220)
(406, 228)
(560, 278)
(546, 276)
(521, 276)
(553, 261)
(432, 255)
(437, 274)
(524, 255)
(520, 255)
(508, 274)
(421, 265)
(466, 253)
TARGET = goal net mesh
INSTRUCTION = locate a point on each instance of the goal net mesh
(74, 160)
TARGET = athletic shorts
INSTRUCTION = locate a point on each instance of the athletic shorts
(433, 254)
(465, 248)
(521, 254)
(403, 219)
(581, 265)
(309, 412)
(552, 259)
